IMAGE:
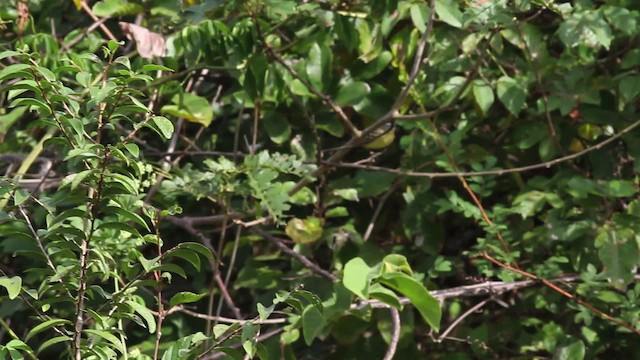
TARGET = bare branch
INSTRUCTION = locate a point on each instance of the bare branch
(395, 334)
(301, 258)
(564, 293)
(499, 172)
(222, 319)
(459, 319)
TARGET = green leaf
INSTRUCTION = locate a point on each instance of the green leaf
(46, 325)
(9, 53)
(587, 28)
(511, 94)
(370, 40)
(248, 338)
(13, 70)
(84, 78)
(574, 351)
(133, 149)
(120, 226)
(52, 341)
(629, 87)
(129, 215)
(7, 120)
(185, 297)
(220, 329)
(312, 323)
(199, 248)
(277, 127)
(189, 255)
(145, 314)
(396, 263)
(366, 71)
(36, 104)
(179, 349)
(154, 68)
(426, 304)
(621, 19)
(352, 93)
(379, 292)
(13, 285)
(20, 196)
(372, 183)
(483, 95)
(356, 277)
(312, 298)
(171, 268)
(162, 126)
(116, 8)
(620, 188)
(448, 12)
(420, 16)
(190, 107)
(318, 66)
(148, 265)
(16, 344)
(265, 312)
(620, 254)
(117, 344)
(331, 124)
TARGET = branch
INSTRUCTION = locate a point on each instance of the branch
(459, 319)
(485, 288)
(263, 337)
(395, 334)
(564, 293)
(103, 27)
(499, 172)
(301, 258)
(223, 319)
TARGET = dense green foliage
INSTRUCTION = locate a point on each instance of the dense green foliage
(197, 179)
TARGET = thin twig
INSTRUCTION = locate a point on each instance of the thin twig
(263, 337)
(301, 258)
(222, 319)
(376, 213)
(225, 295)
(158, 277)
(395, 334)
(232, 261)
(104, 28)
(459, 319)
(86, 32)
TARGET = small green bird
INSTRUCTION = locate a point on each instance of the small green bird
(381, 137)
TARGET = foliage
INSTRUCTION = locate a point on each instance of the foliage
(241, 134)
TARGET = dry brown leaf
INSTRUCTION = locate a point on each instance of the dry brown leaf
(23, 16)
(149, 44)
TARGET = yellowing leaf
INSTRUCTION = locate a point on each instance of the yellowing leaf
(304, 231)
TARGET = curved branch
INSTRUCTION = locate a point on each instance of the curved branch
(395, 334)
(301, 258)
